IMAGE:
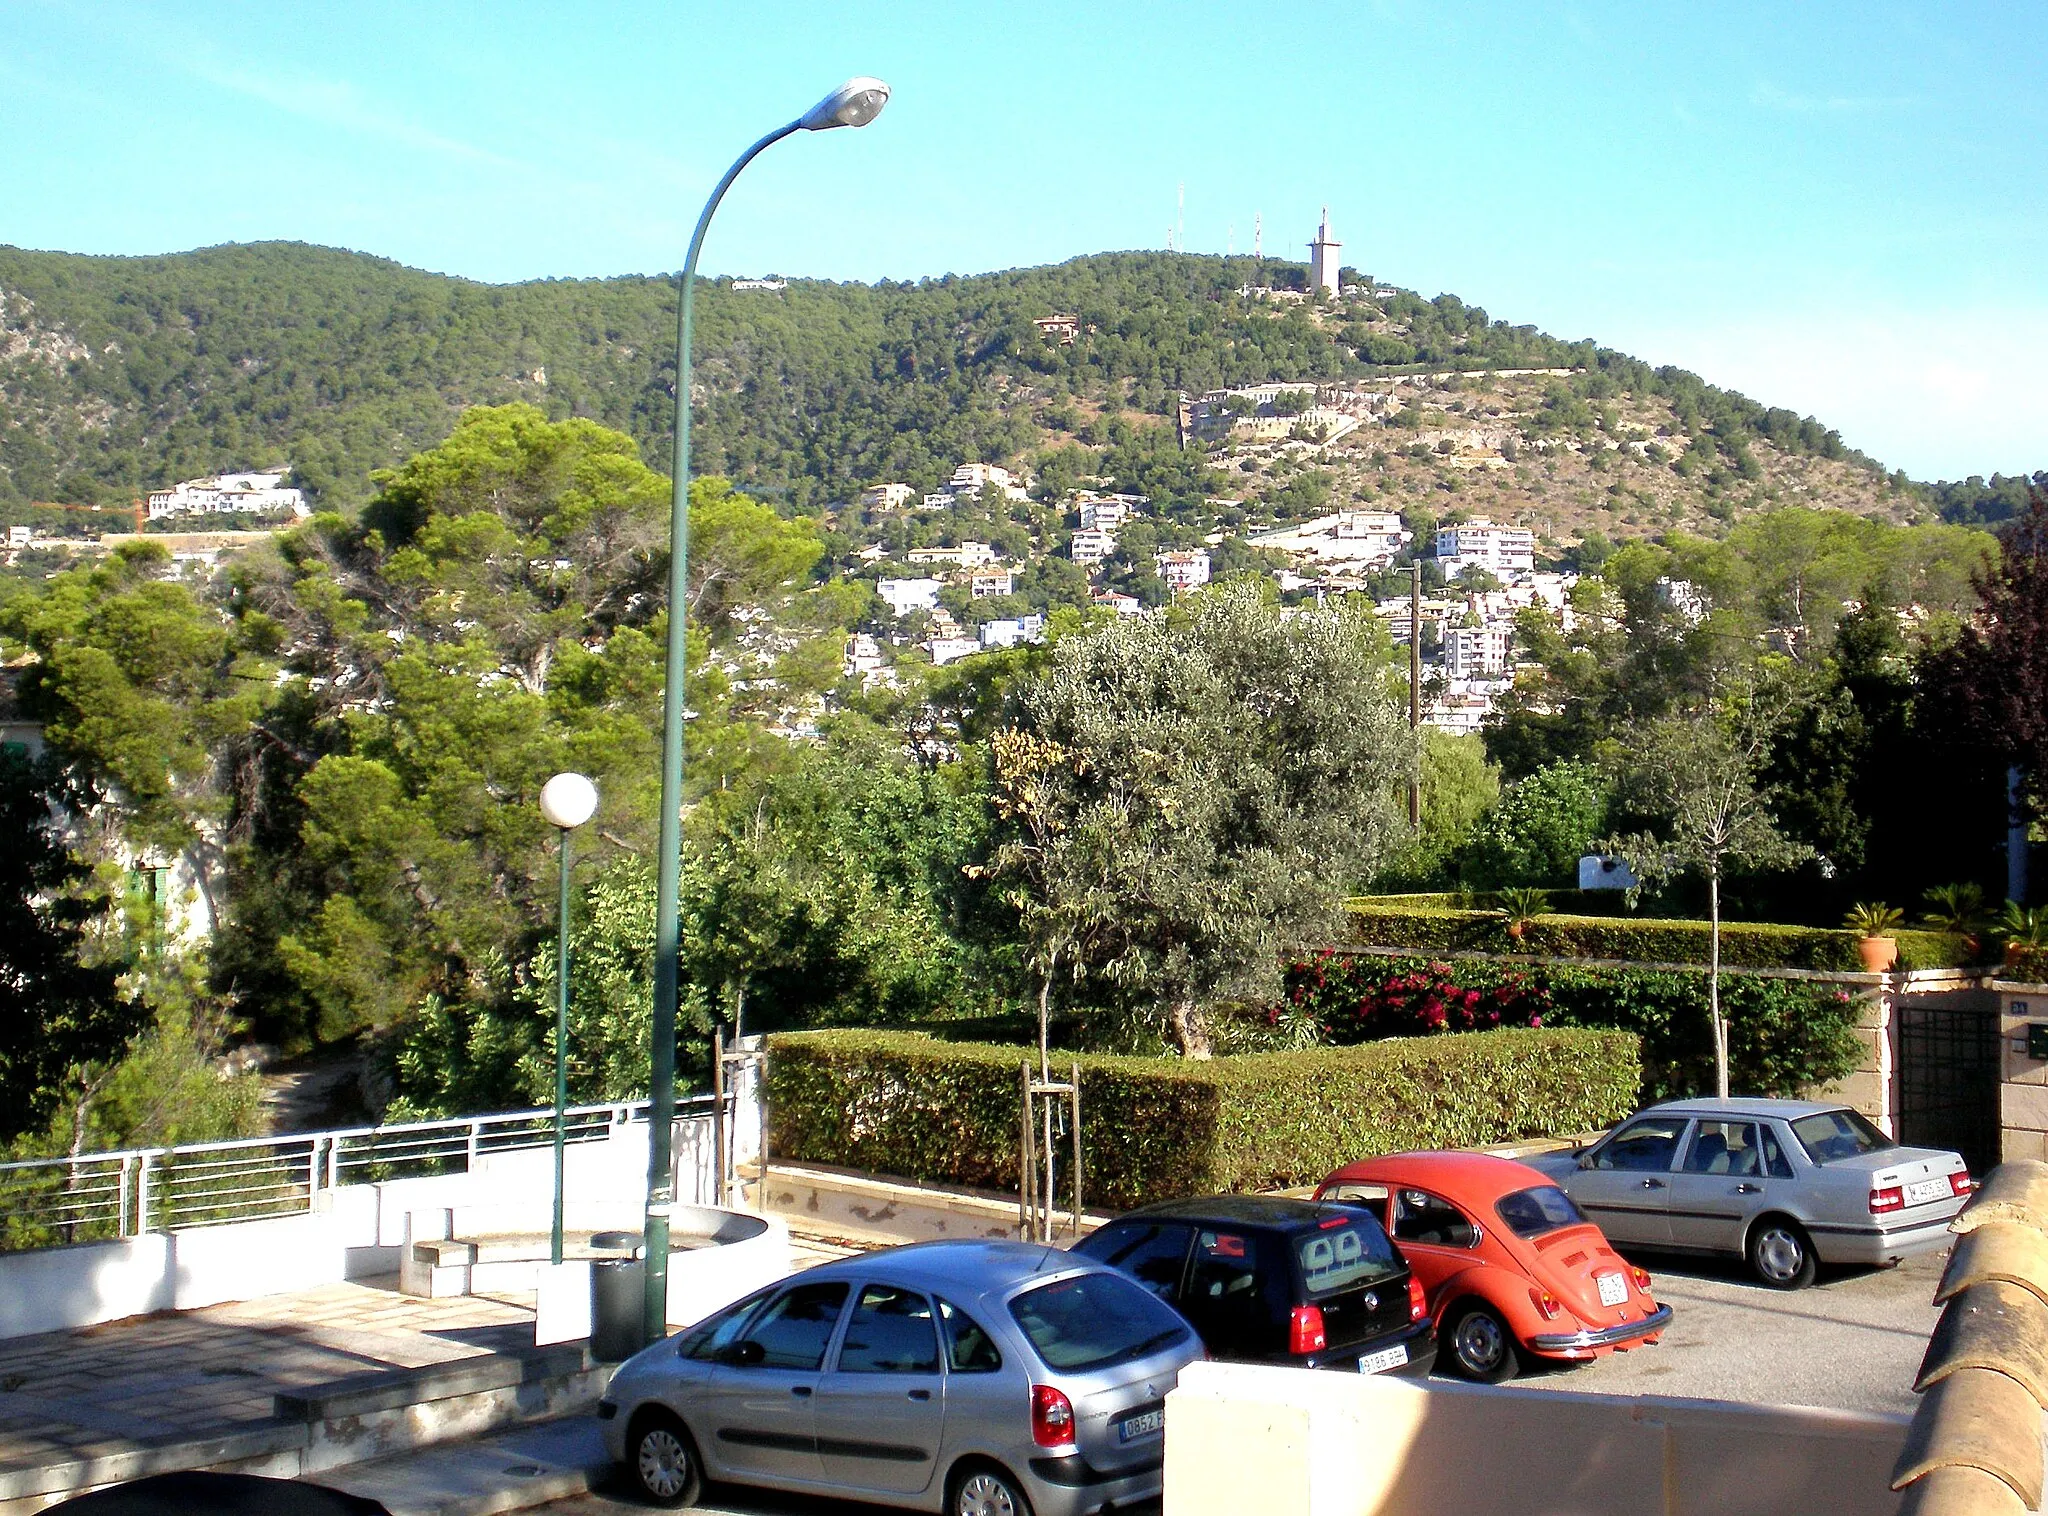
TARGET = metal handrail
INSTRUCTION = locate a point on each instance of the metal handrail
(47, 1202)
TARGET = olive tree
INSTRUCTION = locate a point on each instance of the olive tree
(1184, 796)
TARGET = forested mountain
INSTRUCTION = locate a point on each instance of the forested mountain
(119, 374)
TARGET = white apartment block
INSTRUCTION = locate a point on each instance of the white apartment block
(1012, 630)
(1093, 544)
(1474, 652)
(1184, 571)
(1369, 538)
(968, 555)
(941, 500)
(1488, 545)
(907, 595)
(887, 497)
(945, 650)
(260, 491)
(1122, 604)
(863, 655)
(969, 477)
(986, 586)
(1104, 515)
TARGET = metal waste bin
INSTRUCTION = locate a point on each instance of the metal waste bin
(618, 1294)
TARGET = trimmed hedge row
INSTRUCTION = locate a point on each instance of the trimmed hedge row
(1153, 1128)
(1744, 944)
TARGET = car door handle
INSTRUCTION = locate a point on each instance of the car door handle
(920, 1394)
(801, 1391)
(1653, 1184)
(1749, 1189)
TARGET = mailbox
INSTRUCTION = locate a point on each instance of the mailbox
(2037, 1039)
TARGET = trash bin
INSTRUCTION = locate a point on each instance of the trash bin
(618, 1292)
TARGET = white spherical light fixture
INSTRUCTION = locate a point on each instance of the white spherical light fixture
(568, 800)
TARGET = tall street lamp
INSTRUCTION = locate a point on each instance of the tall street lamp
(854, 103)
(567, 801)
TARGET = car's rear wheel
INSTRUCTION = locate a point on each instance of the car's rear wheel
(1781, 1254)
(982, 1489)
(664, 1461)
(1482, 1347)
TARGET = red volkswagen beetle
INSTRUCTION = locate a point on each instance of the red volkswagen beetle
(1510, 1265)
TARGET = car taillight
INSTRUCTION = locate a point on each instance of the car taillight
(1642, 1278)
(1305, 1332)
(1891, 1198)
(1052, 1417)
(1545, 1302)
(1418, 1302)
(1961, 1182)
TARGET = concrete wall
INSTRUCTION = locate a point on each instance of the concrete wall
(2023, 1087)
(356, 1231)
(1290, 1442)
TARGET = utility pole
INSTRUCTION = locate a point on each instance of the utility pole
(1415, 684)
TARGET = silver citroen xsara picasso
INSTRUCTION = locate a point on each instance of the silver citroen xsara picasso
(973, 1378)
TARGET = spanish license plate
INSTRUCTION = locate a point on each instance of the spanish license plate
(1613, 1289)
(1131, 1428)
(1920, 1191)
(1384, 1359)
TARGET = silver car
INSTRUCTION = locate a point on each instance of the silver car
(974, 1378)
(1781, 1183)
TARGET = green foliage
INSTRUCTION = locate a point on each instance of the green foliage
(1459, 788)
(1182, 795)
(1874, 919)
(1154, 1128)
(1956, 908)
(1744, 944)
(1539, 830)
(1789, 1037)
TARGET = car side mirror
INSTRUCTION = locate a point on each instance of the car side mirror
(744, 1354)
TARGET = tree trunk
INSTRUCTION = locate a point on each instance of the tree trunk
(1714, 984)
(1189, 1030)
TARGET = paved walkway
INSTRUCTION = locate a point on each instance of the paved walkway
(151, 1380)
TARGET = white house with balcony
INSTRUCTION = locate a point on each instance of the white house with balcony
(1370, 539)
(1093, 544)
(1184, 570)
(986, 586)
(886, 497)
(1501, 550)
(1104, 515)
(1012, 630)
(258, 492)
(1475, 652)
(945, 650)
(907, 595)
(970, 477)
(968, 555)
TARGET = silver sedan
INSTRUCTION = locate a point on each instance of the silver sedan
(1783, 1184)
(973, 1378)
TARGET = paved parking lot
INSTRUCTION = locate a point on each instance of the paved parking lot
(1853, 1341)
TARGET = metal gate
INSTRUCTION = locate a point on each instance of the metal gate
(1948, 1082)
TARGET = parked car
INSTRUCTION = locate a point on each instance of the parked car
(1266, 1279)
(1785, 1184)
(1510, 1266)
(973, 1378)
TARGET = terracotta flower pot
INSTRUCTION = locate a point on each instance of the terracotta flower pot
(1516, 928)
(1878, 953)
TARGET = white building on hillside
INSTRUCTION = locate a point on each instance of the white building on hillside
(886, 497)
(1012, 630)
(968, 555)
(1501, 550)
(1324, 261)
(1474, 652)
(985, 586)
(1184, 571)
(1369, 538)
(863, 655)
(1104, 515)
(945, 650)
(969, 477)
(1093, 545)
(1122, 604)
(907, 595)
(259, 492)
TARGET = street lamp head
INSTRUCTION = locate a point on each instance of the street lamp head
(854, 103)
(568, 800)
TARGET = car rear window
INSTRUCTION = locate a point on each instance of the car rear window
(1532, 1212)
(1344, 1254)
(1093, 1320)
(1838, 1134)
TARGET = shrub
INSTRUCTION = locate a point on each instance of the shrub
(1744, 944)
(1152, 1128)
(1786, 1036)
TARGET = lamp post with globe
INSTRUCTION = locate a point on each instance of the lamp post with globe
(567, 801)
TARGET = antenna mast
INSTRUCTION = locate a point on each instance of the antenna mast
(1180, 216)
(1258, 236)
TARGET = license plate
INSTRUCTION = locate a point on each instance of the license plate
(1923, 1190)
(1613, 1289)
(1131, 1428)
(1384, 1359)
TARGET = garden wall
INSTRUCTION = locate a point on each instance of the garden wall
(1153, 1128)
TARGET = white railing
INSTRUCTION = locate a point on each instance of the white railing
(49, 1202)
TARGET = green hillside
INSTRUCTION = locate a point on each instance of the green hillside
(118, 374)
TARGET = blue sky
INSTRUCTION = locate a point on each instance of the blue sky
(1838, 208)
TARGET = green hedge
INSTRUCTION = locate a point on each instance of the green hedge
(904, 1103)
(1744, 944)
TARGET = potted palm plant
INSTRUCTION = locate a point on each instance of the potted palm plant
(1958, 910)
(2025, 931)
(1520, 906)
(1875, 923)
